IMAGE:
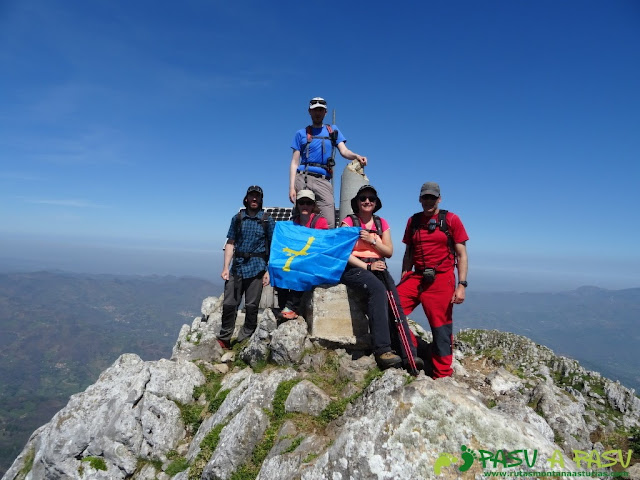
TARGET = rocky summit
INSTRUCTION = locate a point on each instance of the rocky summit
(288, 404)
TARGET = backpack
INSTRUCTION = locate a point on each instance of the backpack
(441, 224)
(333, 137)
(265, 225)
(376, 221)
(314, 220)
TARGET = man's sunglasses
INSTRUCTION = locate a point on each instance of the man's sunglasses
(371, 198)
(306, 202)
(318, 102)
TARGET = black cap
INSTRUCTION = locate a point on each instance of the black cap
(255, 188)
(251, 189)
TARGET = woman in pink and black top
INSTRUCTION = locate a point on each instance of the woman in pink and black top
(366, 272)
(305, 214)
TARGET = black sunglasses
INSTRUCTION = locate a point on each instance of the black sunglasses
(318, 102)
(306, 202)
(371, 198)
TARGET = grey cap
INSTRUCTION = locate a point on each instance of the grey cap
(430, 188)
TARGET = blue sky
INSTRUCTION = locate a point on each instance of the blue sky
(129, 131)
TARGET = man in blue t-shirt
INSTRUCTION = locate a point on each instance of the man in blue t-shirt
(311, 162)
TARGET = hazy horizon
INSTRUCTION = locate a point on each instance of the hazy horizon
(202, 259)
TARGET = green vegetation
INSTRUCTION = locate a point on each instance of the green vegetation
(634, 440)
(310, 457)
(97, 463)
(295, 444)
(191, 415)
(211, 386)
(178, 465)
(277, 416)
(28, 464)
(557, 438)
(337, 407)
(218, 400)
(207, 447)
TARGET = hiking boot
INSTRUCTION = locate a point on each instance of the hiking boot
(388, 360)
(224, 344)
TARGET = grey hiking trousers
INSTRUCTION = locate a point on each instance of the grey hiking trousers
(234, 288)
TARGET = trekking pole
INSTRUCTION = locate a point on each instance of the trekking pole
(413, 369)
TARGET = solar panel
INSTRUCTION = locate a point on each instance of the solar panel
(279, 213)
(283, 214)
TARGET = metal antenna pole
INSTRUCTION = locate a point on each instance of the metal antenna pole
(333, 152)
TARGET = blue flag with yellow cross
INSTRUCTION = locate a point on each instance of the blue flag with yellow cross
(303, 257)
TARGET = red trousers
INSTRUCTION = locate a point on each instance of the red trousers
(436, 302)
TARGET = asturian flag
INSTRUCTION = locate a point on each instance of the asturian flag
(303, 257)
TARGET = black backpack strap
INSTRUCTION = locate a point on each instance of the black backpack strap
(415, 222)
(265, 227)
(304, 159)
(239, 227)
(314, 220)
(354, 219)
(444, 228)
(378, 223)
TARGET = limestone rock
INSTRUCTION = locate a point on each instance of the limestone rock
(237, 441)
(287, 466)
(199, 341)
(563, 415)
(397, 431)
(288, 341)
(526, 414)
(355, 370)
(502, 381)
(257, 350)
(129, 413)
(305, 397)
(210, 305)
(634, 472)
(246, 387)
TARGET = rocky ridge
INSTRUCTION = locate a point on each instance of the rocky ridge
(285, 406)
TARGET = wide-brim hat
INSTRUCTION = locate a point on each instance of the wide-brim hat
(354, 200)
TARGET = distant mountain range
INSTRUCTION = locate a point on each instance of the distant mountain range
(59, 331)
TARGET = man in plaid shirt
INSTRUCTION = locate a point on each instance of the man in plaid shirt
(247, 245)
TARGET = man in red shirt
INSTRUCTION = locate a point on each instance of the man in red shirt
(435, 243)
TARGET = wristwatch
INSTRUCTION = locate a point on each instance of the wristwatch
(463, 283)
